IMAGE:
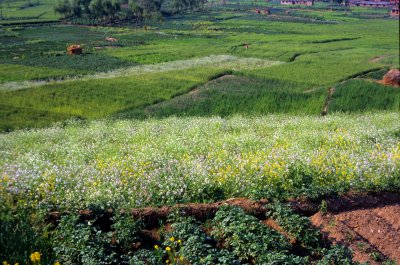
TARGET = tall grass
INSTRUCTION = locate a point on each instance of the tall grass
(231, 95)
(362, 95)
(97, 98)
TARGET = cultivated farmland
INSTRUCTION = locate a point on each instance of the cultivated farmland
(201, 137)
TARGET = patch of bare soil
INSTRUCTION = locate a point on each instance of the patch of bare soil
(377, 59)
(368, 224)
(391, 78)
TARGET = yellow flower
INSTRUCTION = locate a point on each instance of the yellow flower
(167, 261)
(57, 263)
(179, 241)
(181, 258)
(156, 247)
(35, 257)
(5, 263)
(168, 249)
(16, 263)
(172, 239)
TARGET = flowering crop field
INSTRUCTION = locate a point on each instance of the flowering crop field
(132, 163)
(202, 107)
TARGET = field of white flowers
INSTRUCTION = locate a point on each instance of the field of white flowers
(133, 163)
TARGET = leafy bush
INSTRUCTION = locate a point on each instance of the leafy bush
(246, 236)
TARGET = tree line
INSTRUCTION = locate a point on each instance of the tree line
(109, 11)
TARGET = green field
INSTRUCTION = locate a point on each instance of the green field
(27, 11)
(125, 164)
(37, 74)
(200, 107)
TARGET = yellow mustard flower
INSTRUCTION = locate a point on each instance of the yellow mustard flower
(168, 249)
(57, 263)
(179, 241)
(167, 261)
(172, 239)
(156, 247)
(35, 257)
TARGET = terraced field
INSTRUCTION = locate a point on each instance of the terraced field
(207, 138)
(287, 68)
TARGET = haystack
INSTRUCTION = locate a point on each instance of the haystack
(74, 49)
(392, 78)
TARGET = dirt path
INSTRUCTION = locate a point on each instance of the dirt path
(325, 109)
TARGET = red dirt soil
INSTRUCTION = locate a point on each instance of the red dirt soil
(391, 78)
(371, 228)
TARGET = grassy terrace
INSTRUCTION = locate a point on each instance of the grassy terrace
(144, 68)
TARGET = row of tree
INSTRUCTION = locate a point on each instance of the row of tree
(109, 11)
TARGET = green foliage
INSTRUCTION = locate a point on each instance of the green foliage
(196, 246)
(31, 11)
(299, 227)
(80, 163)
(125, 230)
(108, 11)
(91, 99)
(21, 233)
(307, 238)
(361, 95)
(144, 257)
(318, 56)
(245, 236)
(77, 241)
(242, 95)
(337, 255)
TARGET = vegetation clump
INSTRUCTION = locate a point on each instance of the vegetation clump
(110, 11)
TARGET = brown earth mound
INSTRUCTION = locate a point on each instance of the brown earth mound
(391, 78)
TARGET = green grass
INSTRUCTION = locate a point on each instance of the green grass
(362, 95)
(27, 11)
(241, 95)
(15, 72)
(317, 55)
(92, 98)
